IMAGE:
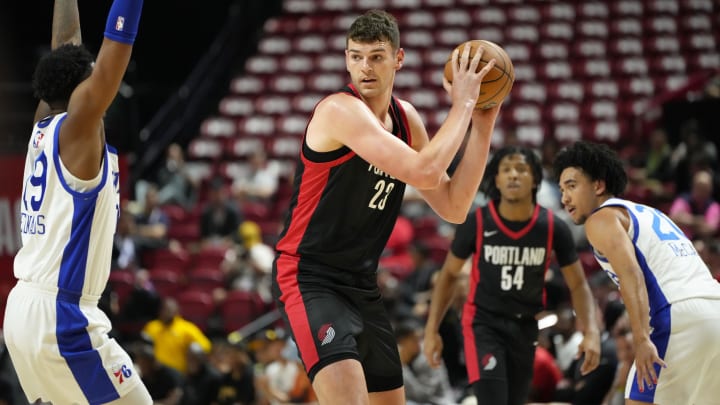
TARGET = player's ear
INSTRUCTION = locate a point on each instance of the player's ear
(400, 58)
(600, 187)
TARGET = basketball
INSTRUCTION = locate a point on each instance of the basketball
(496, 85)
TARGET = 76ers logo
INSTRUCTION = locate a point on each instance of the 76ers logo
(121, 372)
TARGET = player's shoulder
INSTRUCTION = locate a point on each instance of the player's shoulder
(337, 104)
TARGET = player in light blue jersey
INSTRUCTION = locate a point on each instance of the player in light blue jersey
(55, 333)
(671, 298)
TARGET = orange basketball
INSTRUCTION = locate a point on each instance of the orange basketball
(496, 85)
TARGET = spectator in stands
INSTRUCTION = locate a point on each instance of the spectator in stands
(176, 186)
(141, 306)
(280, 378)
(423, 384)
(202, 379)
(594, 387)
(125, 250)
(164, 383)
(693, 153)
(546, 376)
(262, 182)
(152, 223)
(250, 268)
(696, 212)
(172, 336)
(237, 386)
(712, 89)
(565, 338)
(622, 334)
(220, 218)
(653, 167)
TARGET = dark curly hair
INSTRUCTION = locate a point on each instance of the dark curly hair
(488, 187)
(597, 161)
(59, 72)
(375, 25)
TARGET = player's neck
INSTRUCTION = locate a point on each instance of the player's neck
(517, 210)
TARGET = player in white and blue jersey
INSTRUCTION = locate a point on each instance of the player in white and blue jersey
(671, 298)
(55, 333)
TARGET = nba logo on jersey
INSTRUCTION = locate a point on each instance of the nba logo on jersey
(39, 135)
(120, 23)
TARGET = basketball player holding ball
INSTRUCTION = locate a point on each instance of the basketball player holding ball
(361, 146)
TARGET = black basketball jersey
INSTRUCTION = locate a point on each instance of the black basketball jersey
(510, 259)
(343, 208)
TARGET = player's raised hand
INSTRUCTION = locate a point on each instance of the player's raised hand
(465, 87)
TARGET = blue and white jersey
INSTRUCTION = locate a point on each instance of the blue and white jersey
(67, 224)
(672, 268)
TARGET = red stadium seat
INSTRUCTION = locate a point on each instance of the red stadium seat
(121, 282)
(218, 127)
(206, 279)
(246, 146)
(209, 256)
(240, 308)
(167, 281)
(205, 148)
(177, 259)
(197, 307)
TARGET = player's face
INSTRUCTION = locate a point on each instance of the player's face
(372, 66)
(579, 194)
(515, 178)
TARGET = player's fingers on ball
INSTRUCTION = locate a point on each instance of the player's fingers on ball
(465, 58)
(487, 68)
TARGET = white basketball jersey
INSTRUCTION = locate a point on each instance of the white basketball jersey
(672, 268)
(67, 224)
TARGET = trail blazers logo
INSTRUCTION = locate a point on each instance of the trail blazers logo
(489, 362)
(326, 334)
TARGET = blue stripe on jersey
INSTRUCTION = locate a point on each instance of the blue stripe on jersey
(73, 339)
(660, 336)
(656, 297)
(58, 166)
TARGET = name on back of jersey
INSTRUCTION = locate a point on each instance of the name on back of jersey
(32, 224)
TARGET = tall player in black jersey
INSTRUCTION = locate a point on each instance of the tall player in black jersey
(511, 241)
(361, 147)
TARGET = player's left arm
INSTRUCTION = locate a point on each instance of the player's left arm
(65, 30)
(584, 306)
(606, 230)
(456, 194)
(582, 298)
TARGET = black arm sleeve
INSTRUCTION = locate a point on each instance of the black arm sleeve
(563, 243)
(463, 245)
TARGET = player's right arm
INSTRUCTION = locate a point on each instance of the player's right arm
(442, 294)
(65, 30)
(606, 230)
(82, 133)
(349, 121)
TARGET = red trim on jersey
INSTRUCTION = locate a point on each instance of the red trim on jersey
(471, 359)
(287, 270)
(548, 252)
(313, 181)
(507, 231)
(406, 124)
